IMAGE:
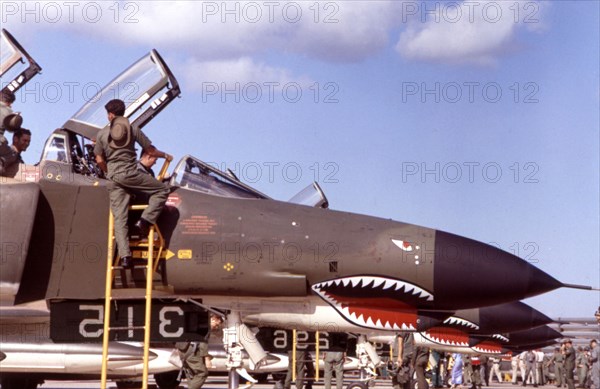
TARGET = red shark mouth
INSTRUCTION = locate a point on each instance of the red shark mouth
(488, 347)
(374, 302)
(455, 321)
(447, 336)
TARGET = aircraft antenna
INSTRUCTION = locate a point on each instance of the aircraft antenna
(583, 287)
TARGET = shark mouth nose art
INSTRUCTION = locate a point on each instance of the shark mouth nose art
(488, 347)
(447, 336)
(375, 302)
(455, 321)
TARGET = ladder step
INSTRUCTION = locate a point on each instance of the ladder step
(128, 268)
(127, 328)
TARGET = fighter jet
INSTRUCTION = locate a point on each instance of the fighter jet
(227, 246)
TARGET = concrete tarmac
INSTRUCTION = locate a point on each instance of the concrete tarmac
(221, 383)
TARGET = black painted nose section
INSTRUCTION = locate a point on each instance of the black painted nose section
(510, 317)
(533, 336)
(470, 274)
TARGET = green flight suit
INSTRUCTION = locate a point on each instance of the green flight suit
(402, 378)
(127, 179)
(334, 359)
(582, 368)
(193, 356)
(8, 156)
(559, 370)
(570, 357)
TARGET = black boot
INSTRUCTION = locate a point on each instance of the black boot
(127, 262)
(143, 226)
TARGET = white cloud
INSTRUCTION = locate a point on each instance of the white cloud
(242, 71)
(209, 30)
(475, 32)
(232, 32)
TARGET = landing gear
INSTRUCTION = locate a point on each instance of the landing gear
(368, 361)
(237, 337)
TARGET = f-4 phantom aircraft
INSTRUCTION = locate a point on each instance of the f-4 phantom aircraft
(226, 246)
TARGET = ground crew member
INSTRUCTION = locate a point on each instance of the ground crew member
(595, 363)
(115, 155)
(514, 362)
(495, 369)
(468, 370)
(334, 359)
(582, 366)
(405, 349)
(559, 370)
(530, 368)
(195, 358)
(484, 369)
(570, 357)
(539, 367)
(421, 358)
(304, 366)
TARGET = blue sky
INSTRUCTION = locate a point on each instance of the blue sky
(503, 148)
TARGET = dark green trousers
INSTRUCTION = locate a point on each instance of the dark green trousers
(120, 190)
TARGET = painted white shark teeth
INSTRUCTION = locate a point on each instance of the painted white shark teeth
(486, 350)
(500, 338)
(388, 284)
(457, 321)
(376, 282)
(445, 342)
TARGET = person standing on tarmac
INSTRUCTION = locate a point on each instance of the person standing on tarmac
(570, 357)
(421, 358)
(530, 363)
(195, 357)
(334, 359)
(559, 370)
(595, 364)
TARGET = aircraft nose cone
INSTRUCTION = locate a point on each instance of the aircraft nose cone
(427, 320)
(471, 274)
(533, 336)
(510, 317)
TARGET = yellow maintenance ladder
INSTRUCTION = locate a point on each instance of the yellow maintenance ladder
(295, 344)
(112, 264)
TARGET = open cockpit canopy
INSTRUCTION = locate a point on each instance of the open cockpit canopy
(11, 54)
(146, 87)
